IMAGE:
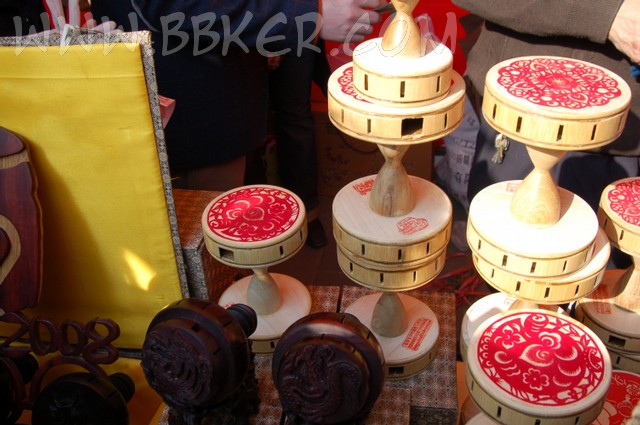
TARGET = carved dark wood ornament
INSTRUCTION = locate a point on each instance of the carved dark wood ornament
(328, 369)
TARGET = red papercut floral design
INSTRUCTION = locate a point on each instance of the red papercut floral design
(624, 200)
(623, 395)
(556, 82)
(346, 84)
(541, 359)
(253, 214)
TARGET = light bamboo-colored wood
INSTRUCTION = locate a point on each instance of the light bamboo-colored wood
(500, 239)
(421, 233)
(392, 195)
(605, 312)
(382, 124)
(399, 255)
(480, 311)
(537, 201)
(555, 290)
(383, 77)
(410, 352)
(295, 303)
(481, 419)
(403, 36)
(508, 409)
(390, 278)
(263, 293)
(625, 361)
(389, 318)
(619, 220)
(554, 126)
(259, 253)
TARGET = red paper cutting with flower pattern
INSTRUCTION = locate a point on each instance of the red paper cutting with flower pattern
(558, 82)
(623, 395)
(346, 84)
(541, 359)
(624, 200)
(253, 214)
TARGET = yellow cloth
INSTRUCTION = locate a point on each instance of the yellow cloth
(83, 111)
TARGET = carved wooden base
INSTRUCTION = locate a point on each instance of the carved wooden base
(412, 351)
(295, 304)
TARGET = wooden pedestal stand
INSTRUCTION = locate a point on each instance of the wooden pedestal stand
(541, 246)
(257, 227)
(392, 229)
(612, 311)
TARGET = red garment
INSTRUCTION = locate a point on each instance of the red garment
(84, 15)
(445, 17)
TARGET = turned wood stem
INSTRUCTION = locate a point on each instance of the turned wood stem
(392, 195)
(628, 289)
(263, 294)
(389, 316)
(537, 201)
(402, 37)
(522, 304)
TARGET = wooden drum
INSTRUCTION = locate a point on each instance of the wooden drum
(625, 361)
(538, 367)
(554, 290)
(391, 253)
(386, 78)
(618, 214)
(254, 226)
(616, 326)
(391, 125)
(555, 103)
(498, 238)
(478, 313)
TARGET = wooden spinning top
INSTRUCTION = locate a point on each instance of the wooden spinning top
(553, 105)
(255, 227)
(619, 216)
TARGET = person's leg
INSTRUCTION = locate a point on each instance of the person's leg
(219, 177)
(290, 95)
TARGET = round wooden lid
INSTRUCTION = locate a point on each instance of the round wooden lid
(379, 123)
(555, 102)
(495, 235)
(623, 396)
(620, 202)
(540, 363)
(430, 216)
(554, 290)
(479, 312)
(253, 216)
(412, 351)
(382, 76)
(614, 324)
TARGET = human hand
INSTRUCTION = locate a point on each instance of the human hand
(349, 20)
(625, 30)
